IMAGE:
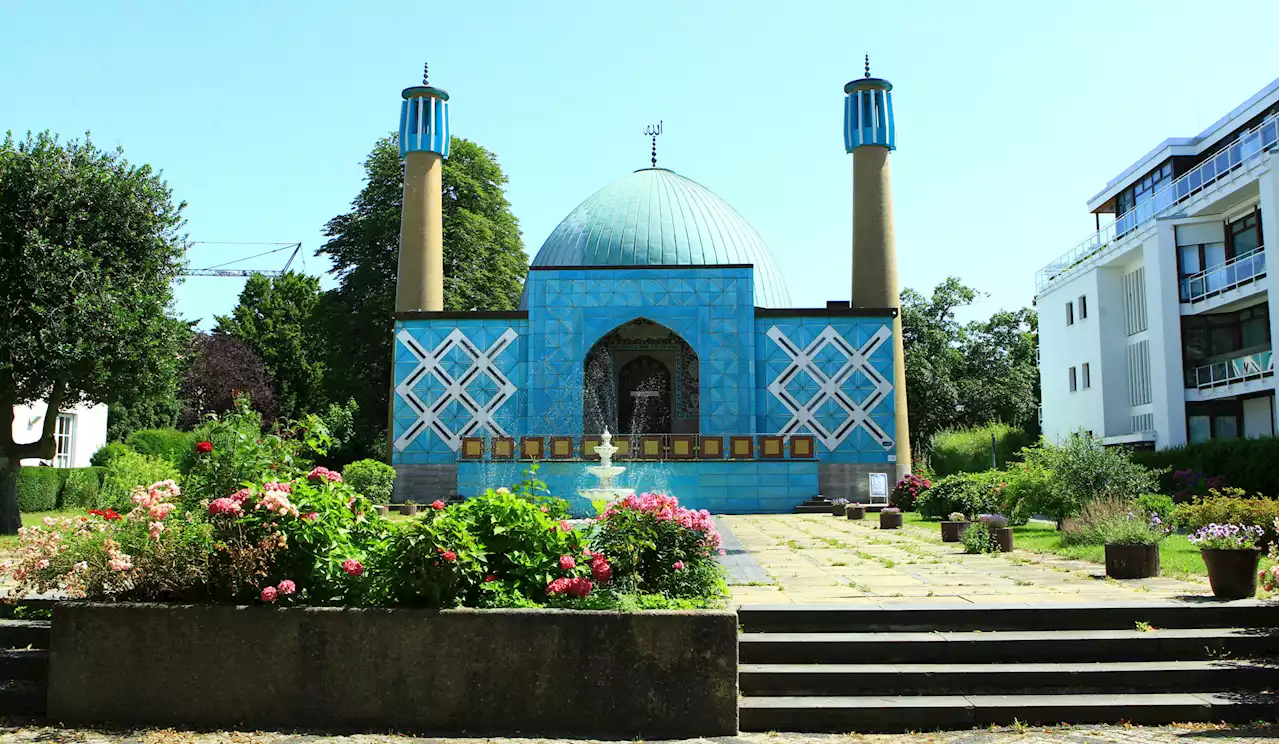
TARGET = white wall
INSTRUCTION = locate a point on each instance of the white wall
(89, 434)
(1257, 416)
(1064, 346)
(1164, 328)
(1269, 191)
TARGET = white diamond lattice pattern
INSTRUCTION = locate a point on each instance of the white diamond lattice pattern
(474, 388)
(812, 387)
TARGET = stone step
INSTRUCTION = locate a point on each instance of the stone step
(926, 617)
(22, 698)
(9, 610)
(24, 664)
(24, 633)
(891, 714)
(959, 647)
(807, 508)
(994, 679)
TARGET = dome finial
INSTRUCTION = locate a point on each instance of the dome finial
(866, 70)
(425, 67)
(652, 132)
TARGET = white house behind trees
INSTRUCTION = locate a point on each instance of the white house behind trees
(80, 431)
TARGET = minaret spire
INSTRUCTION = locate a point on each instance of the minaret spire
(424, 143)
(866, 70)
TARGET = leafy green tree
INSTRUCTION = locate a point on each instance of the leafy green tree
(89, 251)
(967, 375)
(1081, 470)
(484, 266)
(276, 318)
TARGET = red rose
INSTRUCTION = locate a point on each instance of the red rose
(449, 555)
(437, 504)
(489, 578)
(204, 448)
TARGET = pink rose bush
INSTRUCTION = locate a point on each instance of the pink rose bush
(655, 545)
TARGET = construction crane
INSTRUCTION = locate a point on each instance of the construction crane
(219, 269)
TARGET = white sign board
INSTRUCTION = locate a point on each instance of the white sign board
(879, 486)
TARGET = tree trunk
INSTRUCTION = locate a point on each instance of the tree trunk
(10, 519)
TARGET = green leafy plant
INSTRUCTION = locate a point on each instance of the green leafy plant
(38, 489)
(970, 493)
(1248, 463)
(1081, 471)
(1229, 506)
(107, 451)
(908, 490)
(127, 471)
(977, 538)
(954, 451)
(80, 487)
(171, 444)
(372, 479)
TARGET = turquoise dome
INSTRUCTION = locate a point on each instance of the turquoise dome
(655, 217)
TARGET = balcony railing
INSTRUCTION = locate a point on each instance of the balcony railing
(1247, 367)
(1218, 279)
(1247, 148)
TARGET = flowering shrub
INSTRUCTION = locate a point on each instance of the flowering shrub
(646, 537)
(1227, 537)
(956, 517)
(1117, 521)
(1269, 577)
(891, 510)
(994, 521)
(977, 538)
(1229, 506)
(971, 493)
(907, 490)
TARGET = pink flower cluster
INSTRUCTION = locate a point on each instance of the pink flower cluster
(666, 508)
(116, 559)
(154, 506)
(574, 587)
(225, 505)
(283, 589)
(353, 567)
(324, 474)
(276, 500)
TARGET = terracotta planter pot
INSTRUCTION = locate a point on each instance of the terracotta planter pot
(890, 521)
(1133, 561)
(1003, 537)
(1233, 574)
(837, 510)
(951, 531)
(853, 511)
(408, 510)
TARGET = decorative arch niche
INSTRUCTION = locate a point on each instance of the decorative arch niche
(640, 378)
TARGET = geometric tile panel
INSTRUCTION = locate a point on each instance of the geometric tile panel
(832, 378)
(452, 385)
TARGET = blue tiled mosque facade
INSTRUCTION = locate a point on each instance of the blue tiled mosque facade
(655, 310)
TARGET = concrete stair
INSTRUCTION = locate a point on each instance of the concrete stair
(894, 668)
(24, 663)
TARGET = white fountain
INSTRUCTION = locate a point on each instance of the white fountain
(606, 471)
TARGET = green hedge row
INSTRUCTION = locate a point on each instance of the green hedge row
(1250, 464)
(969, 450)
(46, 489)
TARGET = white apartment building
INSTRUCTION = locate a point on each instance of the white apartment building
(1159, 329)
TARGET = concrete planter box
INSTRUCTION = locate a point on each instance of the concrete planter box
(1132, 561)
(837, 510)
(890, 521)
(951, 531)
(855, 511)
(532, 672)
(408, 509)
(1003, 537)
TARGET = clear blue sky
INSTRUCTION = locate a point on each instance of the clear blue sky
(1010, 115)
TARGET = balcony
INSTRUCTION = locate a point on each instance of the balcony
(1241, 369)
(1216, 280)
(1246, 150)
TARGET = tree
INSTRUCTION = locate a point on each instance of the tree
(276, 318)
(971, 374)
(484, 266)
(89, 251)
(221, 368)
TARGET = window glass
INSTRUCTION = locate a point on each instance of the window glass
(1198, 429)
(1084, 375)
(1244, 235)
(1253, 328)
(1224, 427)
(1070, 314)
(62, 438)
(1084, 308)
(1071, 379)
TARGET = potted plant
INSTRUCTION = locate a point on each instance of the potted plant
(408, 508)
(953, 526)
(890, 518)
(1231, 554)
(381, 509)
(837, 507)
(1001, 532)
(1132, 545)
(855, 510)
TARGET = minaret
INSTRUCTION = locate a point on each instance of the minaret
(424, 143)
(869, 136)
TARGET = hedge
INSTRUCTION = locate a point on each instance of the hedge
(969, 493)
(80, 487)
(1229, 508)
(107, 451)
(371, 479)
(170, 444)
(127, 472)
(969, 450)
(38, 488)
(1250, 464)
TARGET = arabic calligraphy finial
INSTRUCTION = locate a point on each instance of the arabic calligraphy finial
(652, 131)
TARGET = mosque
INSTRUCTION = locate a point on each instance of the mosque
(654, 310)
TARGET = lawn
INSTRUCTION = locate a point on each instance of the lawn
(1178, 557)
(31, 519)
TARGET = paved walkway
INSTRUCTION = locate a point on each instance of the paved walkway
(807, 558)
(1197, 734)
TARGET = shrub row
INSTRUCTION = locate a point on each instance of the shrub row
(1229, 507)
(969, 450)
(45, 489)
(969, 493)
(1250, 464)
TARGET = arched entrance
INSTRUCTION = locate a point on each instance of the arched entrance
(640, 378)
(645, 397)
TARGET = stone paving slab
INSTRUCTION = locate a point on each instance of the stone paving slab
(822, 558)
(1185, 734)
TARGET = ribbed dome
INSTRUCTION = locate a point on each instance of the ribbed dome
(655, 217)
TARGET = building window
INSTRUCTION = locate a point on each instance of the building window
(1219, 419)
(1084, 309)
(1084, 375)
(1244, 236)
(1210, 338)
(64, 436)
(1071, 318)
(1071, 380)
